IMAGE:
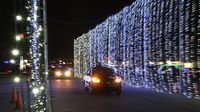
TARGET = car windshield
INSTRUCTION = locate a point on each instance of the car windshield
(103, 71)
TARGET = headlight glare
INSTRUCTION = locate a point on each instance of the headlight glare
(67, 73)
(58, 73)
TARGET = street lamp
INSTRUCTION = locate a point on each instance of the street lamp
(12, 61)
(18, 38)
(19, 18)
(28, 18)
(17, 79)
(15, 52)
(40, 28)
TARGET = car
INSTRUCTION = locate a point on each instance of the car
(60, 73)
(102, 79)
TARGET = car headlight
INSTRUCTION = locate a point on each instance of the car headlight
(67, 73)
(58, 73)
(118, 80)
(95, 80)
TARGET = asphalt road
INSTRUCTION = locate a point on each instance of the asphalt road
(6, 86)
(70, 97)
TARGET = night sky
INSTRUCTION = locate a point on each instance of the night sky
(67, 20)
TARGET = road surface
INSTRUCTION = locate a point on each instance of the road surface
(70, 97)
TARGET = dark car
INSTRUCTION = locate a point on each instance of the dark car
(61, 72)
(102, 79)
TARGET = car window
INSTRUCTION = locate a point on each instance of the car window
(103, 71)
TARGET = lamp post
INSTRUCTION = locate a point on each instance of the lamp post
(48, 82)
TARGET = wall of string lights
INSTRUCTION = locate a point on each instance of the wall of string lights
(152, 43)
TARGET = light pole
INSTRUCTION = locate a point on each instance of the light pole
(48, 81)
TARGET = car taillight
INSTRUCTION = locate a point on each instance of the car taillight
(95, 80)
(118, 80)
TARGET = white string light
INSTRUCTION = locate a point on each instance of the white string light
(37, 84)
(156, 38)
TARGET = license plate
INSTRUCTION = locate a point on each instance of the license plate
(108, 83)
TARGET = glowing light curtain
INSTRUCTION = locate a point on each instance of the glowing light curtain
(153, 44)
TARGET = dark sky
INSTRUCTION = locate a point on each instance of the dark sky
(67, 20)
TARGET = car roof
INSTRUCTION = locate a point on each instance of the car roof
(104, 70)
